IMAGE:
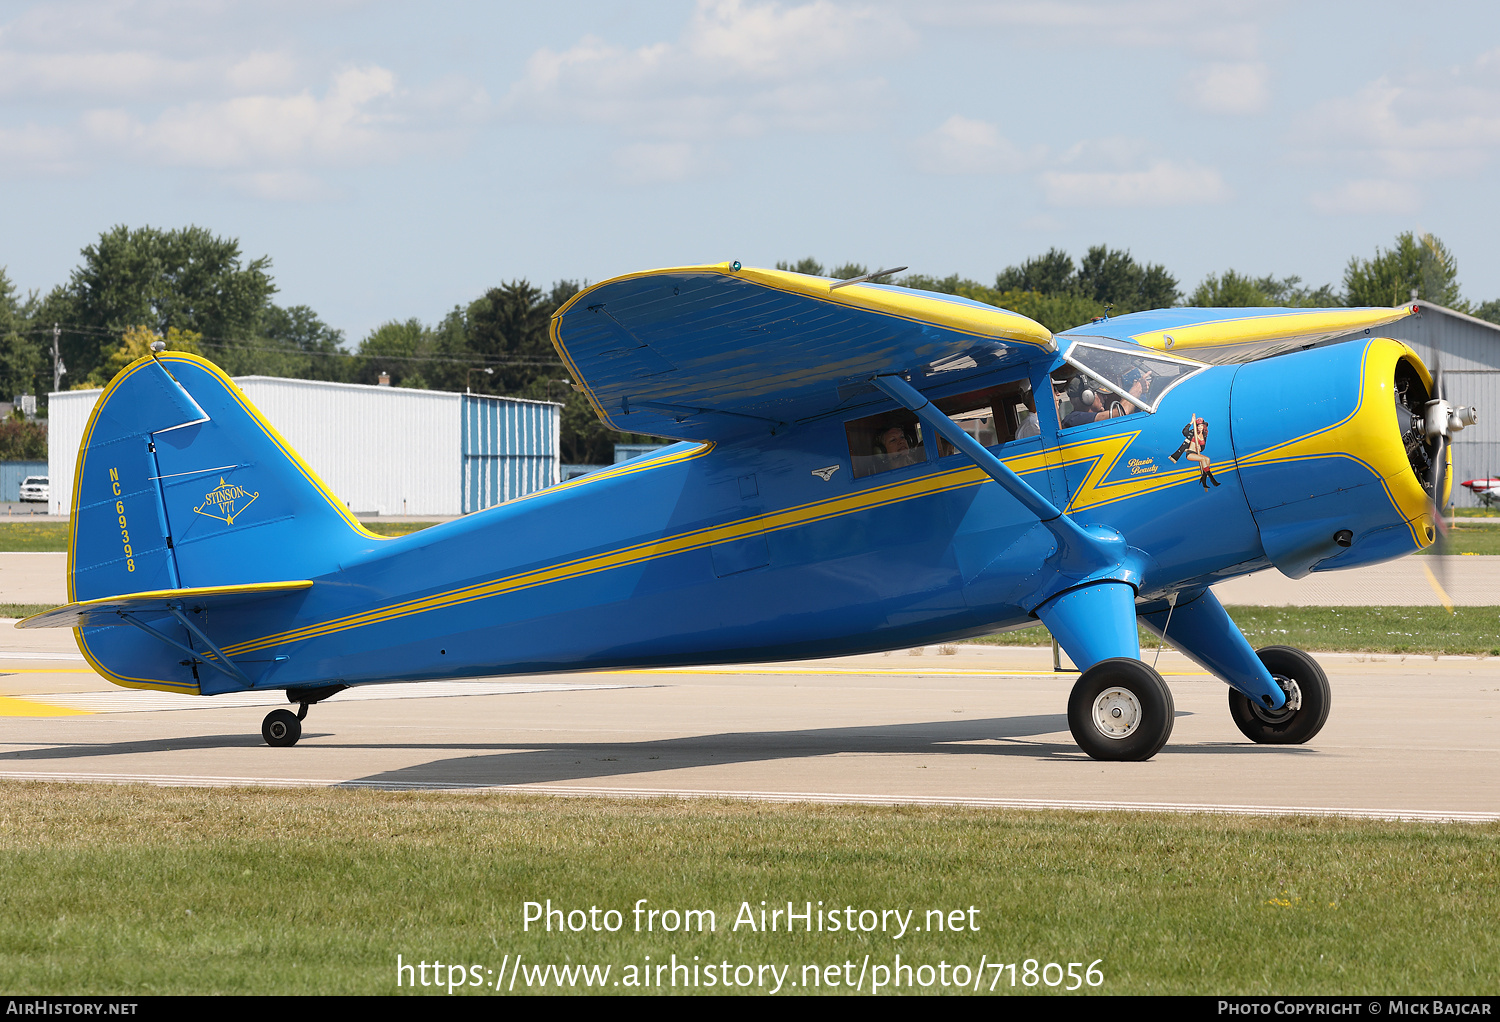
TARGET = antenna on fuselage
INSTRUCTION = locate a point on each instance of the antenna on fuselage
(867, 276)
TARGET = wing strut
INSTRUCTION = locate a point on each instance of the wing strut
(224, 664)
(1080, 550)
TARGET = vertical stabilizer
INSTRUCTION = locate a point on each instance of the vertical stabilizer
(181, 483)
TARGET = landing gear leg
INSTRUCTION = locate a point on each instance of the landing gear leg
(1120, 708)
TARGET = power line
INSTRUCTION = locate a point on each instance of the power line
(272, 346)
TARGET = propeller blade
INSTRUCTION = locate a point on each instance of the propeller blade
(1438, 482)
(1442, 594)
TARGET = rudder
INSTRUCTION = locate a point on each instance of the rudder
(182, 483)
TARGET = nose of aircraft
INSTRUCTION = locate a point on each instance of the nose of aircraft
(1333, 448)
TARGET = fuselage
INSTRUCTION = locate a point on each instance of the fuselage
(770, 549)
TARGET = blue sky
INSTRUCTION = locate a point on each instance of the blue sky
(396, 159)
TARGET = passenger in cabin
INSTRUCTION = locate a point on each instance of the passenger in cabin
(1029, 426)
(894, 449)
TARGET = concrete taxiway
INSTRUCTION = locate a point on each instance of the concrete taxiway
(1408, 737)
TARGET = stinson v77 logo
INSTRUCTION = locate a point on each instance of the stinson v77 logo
(226, 501)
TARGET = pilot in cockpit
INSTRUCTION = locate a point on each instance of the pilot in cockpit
(1089, 401)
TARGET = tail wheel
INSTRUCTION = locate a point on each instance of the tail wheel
(1120, 709)
(1307, 700)
(281, 728)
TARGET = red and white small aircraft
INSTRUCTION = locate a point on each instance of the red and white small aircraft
(1487, 490)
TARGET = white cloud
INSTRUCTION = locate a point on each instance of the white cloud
(1367, 196)
(1403, 132)
(659, 162)
(346, 125)
(1234, 88)
(1226, 29)
(1163, 183)
(1418, 127)
(282, 186)
(739, 68)
(962, 145)
(38, 150)
(115, 75)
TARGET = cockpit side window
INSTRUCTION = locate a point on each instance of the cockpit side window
(993, 416)
(881, 443)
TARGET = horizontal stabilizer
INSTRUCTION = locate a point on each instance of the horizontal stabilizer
(107, 611)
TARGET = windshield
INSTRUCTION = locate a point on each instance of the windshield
(1128, 373)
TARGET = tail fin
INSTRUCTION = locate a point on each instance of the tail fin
(180, 484)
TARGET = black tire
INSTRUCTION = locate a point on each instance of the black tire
(1120, 709)
(281, 728)
(1308, 695)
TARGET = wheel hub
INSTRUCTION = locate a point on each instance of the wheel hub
(1117, 712)
(1289, 708)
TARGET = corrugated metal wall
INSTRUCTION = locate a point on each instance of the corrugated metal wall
(11, 474)
(510, 449)
(382, 450)
(67, 414)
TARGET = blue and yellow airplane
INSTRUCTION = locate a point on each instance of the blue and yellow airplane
(863, 467)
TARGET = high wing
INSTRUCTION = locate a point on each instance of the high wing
(716, 352)
(1226, 336)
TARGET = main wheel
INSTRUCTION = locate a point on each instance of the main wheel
(1120, 709)
(1307, 700)
(281, 728)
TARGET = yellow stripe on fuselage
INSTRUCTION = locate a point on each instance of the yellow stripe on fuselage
(1095, 491)
(1371, 431)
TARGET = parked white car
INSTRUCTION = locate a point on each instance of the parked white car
(36, 489)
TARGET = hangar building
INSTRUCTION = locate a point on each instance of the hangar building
(382, 450)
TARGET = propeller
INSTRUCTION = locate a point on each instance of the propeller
(1440, 421)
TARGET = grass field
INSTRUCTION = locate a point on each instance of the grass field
(179, 891)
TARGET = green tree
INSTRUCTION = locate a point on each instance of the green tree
(508, 330)
(1489, 310)
(851, 270)
(950, 285)
(295, 342)
(1050, 274)
(1056, 312)
(23, 441)
(1234, 290)
(23, 362)
(136, 344)
(1421, 263)
(809, 266)
(1113, 277)
(400, 349)
(188, 278)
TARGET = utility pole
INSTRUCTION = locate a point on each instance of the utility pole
(58, 369)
